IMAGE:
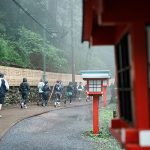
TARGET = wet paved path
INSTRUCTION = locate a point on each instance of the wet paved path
(57, 130)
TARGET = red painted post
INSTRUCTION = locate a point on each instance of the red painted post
(140, 78)
(104, 96)
(95, 114)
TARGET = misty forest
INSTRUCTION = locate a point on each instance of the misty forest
(31, 30)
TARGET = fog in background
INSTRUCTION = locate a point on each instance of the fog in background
(62, 20)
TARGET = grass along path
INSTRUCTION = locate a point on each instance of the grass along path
(104, 141)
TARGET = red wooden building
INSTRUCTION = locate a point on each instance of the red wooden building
(126, 25)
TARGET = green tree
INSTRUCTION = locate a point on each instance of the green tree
(32, 47)
(8, 56)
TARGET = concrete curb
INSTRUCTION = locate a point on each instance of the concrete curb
(21, 119)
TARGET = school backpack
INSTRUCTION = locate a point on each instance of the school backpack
(57, 88)
(24, 87)
(80, 87)
(2, 88)
(45, 88)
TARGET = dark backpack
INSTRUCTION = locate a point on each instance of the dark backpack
(80, 87)
(3, 89)
(46, 88)
(57, 88)
(24, 87)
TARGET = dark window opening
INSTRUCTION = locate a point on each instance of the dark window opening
(124, 85)
(148, 50)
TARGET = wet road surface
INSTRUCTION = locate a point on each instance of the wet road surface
(57, 130)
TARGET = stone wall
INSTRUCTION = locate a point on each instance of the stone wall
(13, 96)
(15, 76)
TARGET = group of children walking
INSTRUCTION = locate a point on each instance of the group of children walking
(44, 90)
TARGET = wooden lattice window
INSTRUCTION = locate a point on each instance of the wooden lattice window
(95, 85)
(123, 73)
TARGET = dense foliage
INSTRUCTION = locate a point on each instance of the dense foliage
(23, 42)
(28, 50)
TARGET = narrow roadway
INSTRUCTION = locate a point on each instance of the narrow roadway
(57, 130)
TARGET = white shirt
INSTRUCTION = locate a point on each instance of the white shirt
(6, 83)
(40, 86)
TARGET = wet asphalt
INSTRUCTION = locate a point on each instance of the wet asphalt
(57, 130)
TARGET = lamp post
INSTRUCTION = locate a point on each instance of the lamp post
(95, 89)
(72, 43)
(95, 79)
(44, 53)
(44, 56)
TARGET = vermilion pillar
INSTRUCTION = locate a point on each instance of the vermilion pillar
(104, 96)
(140, 76)
(95, 114)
